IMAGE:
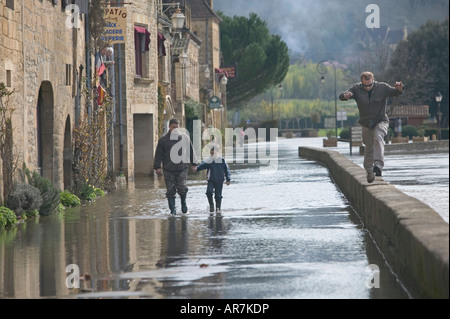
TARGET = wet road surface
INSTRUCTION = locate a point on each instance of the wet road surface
(287, 234)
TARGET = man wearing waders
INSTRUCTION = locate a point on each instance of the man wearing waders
(176, 154)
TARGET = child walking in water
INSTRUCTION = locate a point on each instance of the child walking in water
(217, 172)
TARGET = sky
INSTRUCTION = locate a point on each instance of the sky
(298, 22)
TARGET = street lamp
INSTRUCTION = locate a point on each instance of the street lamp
(183, 58)
(322, 69)
(439, 114)
(280, 87)
(178, 17)
(207, 72)
(223, 82)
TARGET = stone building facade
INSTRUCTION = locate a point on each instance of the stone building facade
(39, 55)
(43, 57)
(205, 23)
(137, 105)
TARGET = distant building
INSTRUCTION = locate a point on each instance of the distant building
(413, 115)
(205, 23)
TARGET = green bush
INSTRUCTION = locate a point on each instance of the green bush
(99, 192)
(193, 109)
(9, 216)
(445, 134)
(70, 200)
(390, 133)
(345, 133)
(2, 221)
(50, 195)
(24, 198)
(33, 213)
(409, 131)
(60, 208)
(88, 193)
(331, 133)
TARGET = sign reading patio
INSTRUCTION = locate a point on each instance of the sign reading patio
(214, 102)
(116, 25)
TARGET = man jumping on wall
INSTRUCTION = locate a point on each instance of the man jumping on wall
(371, 97)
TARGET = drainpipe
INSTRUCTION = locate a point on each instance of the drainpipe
(207, 42)
(119, 57)
(88, 61)
(25, 140)
(111, 121)
(211, 69)
(78, 95)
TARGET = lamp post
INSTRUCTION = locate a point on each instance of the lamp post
(183, 57)
(280, 87)
(322, 69)
(178, 17)
(223, 82)
(439, 114)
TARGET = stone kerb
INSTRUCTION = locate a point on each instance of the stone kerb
(411, 235)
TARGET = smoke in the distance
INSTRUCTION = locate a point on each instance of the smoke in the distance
(310, 26)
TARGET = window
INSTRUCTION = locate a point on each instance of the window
(64, 4)
(8, 78)
(10, 4)
(141, 47)
(68, 74)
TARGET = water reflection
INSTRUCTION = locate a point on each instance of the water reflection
(290, 235)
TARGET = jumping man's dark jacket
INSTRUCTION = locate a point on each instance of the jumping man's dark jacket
(372, 105)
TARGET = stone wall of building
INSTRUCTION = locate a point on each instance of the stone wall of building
(141, 92)
(39, 51)
(207, 28)
(11, 65)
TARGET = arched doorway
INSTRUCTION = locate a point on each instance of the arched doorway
(68, 155)
(45, 124)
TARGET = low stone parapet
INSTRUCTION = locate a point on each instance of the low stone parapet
(410, 234)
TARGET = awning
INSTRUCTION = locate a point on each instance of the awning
(143, 41)
(161, 46)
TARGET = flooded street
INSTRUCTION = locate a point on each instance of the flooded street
(285, 234)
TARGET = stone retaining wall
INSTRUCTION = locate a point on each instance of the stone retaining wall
(411, 235)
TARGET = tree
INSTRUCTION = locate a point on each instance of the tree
(422, 63)
(262, 58)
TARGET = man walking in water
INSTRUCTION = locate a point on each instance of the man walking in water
(371, 97)
(176, 153)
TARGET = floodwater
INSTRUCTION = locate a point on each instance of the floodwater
(284, 233)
